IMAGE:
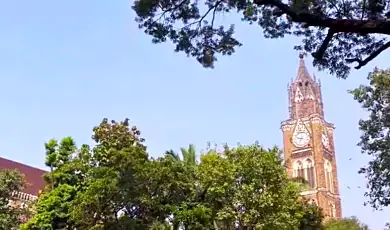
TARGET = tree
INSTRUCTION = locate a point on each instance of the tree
(116, 180)
(188, 155)
(10, 215)
(115, 185)
(336, 33)
(82, 177)
(345, 224)
(53, 206)
(375, 139)
(247, 188)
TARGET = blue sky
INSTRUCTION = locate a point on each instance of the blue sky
(65, 65)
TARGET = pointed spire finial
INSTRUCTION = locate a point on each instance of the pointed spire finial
(302, 71)
(301, 60)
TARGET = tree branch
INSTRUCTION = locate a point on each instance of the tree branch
(171, 10)
(321, 51)
(373, 55)
(337, 25)
(363, 10)
(338, 10)
(205, 15)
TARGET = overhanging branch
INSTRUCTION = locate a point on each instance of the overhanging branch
(199, 22)
(356, 26)
(373, 55)
(337, 25)
(321, 51)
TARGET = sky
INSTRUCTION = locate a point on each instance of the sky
(66, 65)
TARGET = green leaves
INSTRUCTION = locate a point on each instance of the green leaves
(64, 180)
(345, 224)
(114, 185)
(188, 155)
(83, 183)
(53, 209)
(10, 216)
(248, 185)
(375, 140)
(190, 31)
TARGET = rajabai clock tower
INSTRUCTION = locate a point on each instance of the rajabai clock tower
(308, 143)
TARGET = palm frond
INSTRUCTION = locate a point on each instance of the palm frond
(173, 154)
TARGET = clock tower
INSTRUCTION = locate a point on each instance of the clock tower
(309, 151)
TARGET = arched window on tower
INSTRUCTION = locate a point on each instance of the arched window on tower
(299, 170)
(329, 176)
(306, 171)
(310, 175)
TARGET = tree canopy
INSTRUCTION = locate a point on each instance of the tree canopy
(115, 184)
(375, 139)
(336, 33)
(345, 224)
(188, 155)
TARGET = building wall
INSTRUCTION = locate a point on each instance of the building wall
(315, 151)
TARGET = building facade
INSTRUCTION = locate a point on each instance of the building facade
(309, 151)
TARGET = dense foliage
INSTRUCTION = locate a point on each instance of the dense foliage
(345, 224)
(11, 215)
(116, 185)
(336, 32)
(375, 139)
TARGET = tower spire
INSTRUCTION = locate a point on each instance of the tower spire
(305, 94)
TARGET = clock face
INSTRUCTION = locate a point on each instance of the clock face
(300, 139)
(325, 140)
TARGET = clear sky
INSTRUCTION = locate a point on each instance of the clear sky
(65, 65)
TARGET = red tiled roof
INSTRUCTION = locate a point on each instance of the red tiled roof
(33, 176)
